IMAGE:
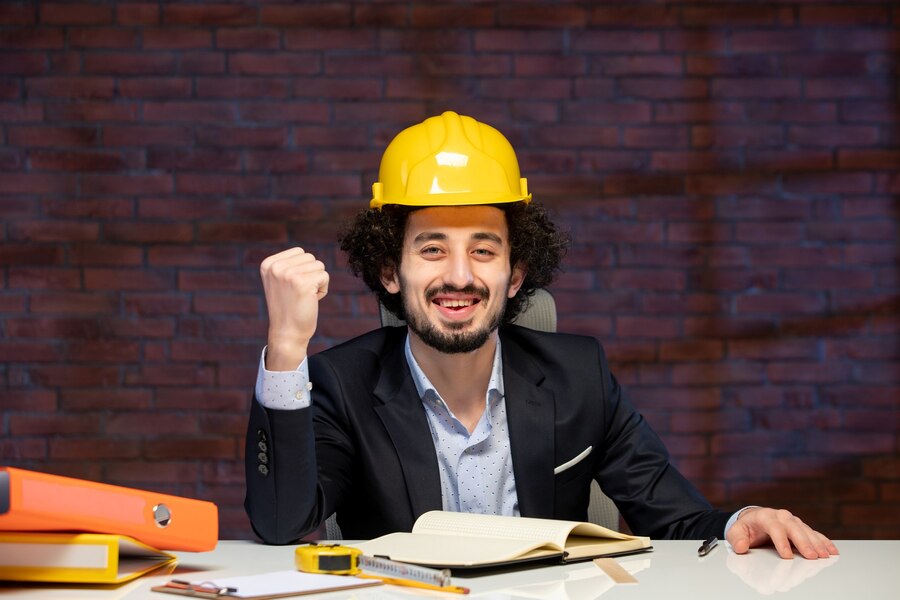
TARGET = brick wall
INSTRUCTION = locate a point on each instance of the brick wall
(728, 169)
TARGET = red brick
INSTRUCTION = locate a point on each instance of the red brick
(757, 87)
(637, 65)
(689, 303)
(176, 39)
(698, 232)
(515, 40)
(732, 15)
(27, 351)
(690, 351)
(774, 40)
(29, 254)
(697, 112)
(218, 281)
(746, 66)
(323, 15)
(256, 38)
(656, 280)
(823, 64)
(28, 400)
(148, 232)
(222, 304)
(541, 16)
(234, 87)
(769, 233)
(48, 160)
(732, 184)
(204, 184)
(106, 208)
(75, 14)
(853, 231)
(658, 88)
(146, 135)
(780, 303)
(381, 16)
(37, 278)
(635, 16)
(766, 442)
(694, 40)
(260, 137)
(137, 14)
(568, 136)
(143, 423)
(33, 39)
(292, 112)
(106, 37)
(385, 113)
(68, 376)
(217, 400)
(106, 255)
(204, 112)
(18, 14)
(840, 88)
(844, 16)
(155, 87)
(319, 185)
(886, 421)
(138, 184)
(202, 63)
(848, 444)
(835, 135)
(53, 231)
(87, 449)
(343, 88)
(209, 15)
(72, 303)
(324, 38)
(246, 63)
(693, 161)
(863, 111)
(385, 66)
(194, 159)
(727, 326)
(129, 64)
(828, 183)
(443, 17)
(869, 159)
(170, 375)
(646, 327)
(126, 279)
(52, 136)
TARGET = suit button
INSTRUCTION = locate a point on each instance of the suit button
(263, 458)
(261, 434)
(263, 469)
(263, 447)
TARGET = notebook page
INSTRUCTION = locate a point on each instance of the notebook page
(491, 526)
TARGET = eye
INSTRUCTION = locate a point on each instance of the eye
(430, 251)
(484, 252)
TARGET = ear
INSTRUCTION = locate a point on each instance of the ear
(390, 280)
(516, 280)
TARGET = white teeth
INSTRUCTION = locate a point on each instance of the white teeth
(455, 303)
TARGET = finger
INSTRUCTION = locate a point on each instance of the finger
(267, 263)
(779, 538)
(824, 546)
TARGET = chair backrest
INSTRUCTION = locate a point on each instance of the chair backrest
(540, 315)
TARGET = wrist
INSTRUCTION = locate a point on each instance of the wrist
(282, 355)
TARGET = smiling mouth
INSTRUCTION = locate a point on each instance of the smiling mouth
(456, 303)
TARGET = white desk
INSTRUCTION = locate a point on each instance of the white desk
(865, 570)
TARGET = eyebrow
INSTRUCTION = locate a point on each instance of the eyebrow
(431, 236)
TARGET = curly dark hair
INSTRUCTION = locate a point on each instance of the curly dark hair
(373, 242)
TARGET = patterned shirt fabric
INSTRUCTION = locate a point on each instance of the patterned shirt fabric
(476, 468)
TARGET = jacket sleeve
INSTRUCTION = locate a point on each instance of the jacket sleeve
(295, 468)
(653, 497)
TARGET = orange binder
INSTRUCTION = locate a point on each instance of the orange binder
(32, 501)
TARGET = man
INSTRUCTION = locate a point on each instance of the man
(460, 410)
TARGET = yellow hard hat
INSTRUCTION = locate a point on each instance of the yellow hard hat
(449, 160)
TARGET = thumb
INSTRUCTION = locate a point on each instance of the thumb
(739, 538)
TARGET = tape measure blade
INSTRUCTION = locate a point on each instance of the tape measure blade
(392, 568)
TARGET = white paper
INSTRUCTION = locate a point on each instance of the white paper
(283, 583)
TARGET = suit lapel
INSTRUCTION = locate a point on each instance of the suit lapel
(402, 414)
(530, 412)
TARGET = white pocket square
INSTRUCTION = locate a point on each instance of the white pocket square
(571, 463)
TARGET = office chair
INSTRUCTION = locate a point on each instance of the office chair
(540, 315)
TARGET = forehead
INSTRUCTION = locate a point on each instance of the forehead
(457, 220)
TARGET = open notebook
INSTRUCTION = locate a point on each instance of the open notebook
(466, 540)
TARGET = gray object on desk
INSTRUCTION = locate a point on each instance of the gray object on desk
(540, 315)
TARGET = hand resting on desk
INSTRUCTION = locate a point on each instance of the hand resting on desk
(757, 525)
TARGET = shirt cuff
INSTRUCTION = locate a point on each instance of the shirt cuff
(734, 519)
(283, 390)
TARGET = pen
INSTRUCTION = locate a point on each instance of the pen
(455, 589)
(707, 546)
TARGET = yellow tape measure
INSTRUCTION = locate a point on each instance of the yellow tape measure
(332, 559)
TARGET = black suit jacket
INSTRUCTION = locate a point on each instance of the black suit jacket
(364, 449)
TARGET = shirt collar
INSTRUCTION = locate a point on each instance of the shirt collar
(426, 388)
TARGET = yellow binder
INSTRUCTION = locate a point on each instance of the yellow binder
(76, 557)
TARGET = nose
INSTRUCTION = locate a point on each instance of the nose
(459, 274)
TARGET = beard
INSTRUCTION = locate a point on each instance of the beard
(450, 338)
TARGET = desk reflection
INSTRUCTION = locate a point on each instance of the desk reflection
(767, 573)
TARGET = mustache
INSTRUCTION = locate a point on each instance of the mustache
(471, 290)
